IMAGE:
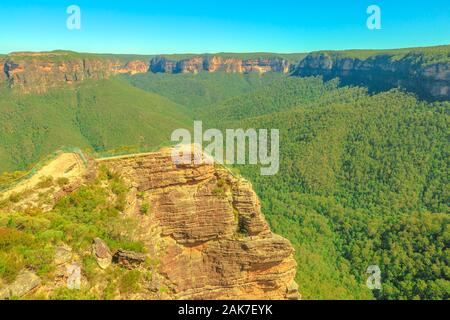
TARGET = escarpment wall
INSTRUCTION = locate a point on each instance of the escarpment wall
(413, 71)
(216, 63)
(381, 72)
(31, 72)
(216, 242)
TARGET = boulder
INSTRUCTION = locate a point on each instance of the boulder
(292, 291)
(63, 254)
(101, 253)
(25, 282)
(129, 259)
(73, 271)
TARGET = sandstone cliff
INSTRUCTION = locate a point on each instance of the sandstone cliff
(202, 229)
(217, 244)
(217, 63)
(422, 71)
(38, 72)
(382, 72)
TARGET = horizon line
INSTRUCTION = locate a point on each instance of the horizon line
(228, 52)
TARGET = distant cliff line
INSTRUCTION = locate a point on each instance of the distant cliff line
(424, 71)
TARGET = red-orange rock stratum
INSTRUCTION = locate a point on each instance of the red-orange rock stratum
(207, 228)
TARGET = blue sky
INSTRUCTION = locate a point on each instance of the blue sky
(199, 26)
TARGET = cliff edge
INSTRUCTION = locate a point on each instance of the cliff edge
(201, 231)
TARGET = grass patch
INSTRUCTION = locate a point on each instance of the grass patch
(62, 181)
(130, 281)
(45, 182)
(28, 239)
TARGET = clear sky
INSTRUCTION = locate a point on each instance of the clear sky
(199, 26)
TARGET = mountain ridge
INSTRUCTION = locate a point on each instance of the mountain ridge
(424, 71)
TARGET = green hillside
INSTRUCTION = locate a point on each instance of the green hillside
(284, 94)
(197, 91)
(363, 181)
(97, 115)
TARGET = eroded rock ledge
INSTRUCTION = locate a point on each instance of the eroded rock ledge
(206, 227)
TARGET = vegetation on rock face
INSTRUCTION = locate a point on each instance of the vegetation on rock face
(29, 239)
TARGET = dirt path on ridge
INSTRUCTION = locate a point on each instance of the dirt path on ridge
(66, 165)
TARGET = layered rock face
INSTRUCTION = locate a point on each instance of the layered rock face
(32, 72)
(38, 72)
(216, 63)
(380, 72)
(207, 230)
(133, 67)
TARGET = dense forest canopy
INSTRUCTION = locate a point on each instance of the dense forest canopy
(364, 180)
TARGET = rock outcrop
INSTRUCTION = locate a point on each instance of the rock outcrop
(133, 67)
(25, 282)
(217, 63)
(382, 72)
(129, 259)
(63, 254)
(102, 253)
(196, 231)
(207, 230)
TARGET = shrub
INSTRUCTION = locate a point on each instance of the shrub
(12, 237)
(45, 182)
(221, 183)
(118, 187)
(10, 265)
(90, 267)
(141, 195)
(129, 282)
(219, 192)
(39, 259)
(109, 292)
(15, 197)
(64, 293)
(51, 236)
(62, 181)
(145, 208)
